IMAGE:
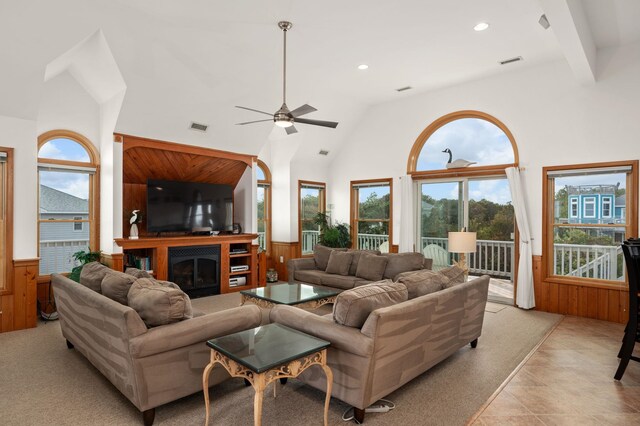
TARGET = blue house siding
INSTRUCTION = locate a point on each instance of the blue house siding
(595, 208)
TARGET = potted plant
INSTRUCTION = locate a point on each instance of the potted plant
(334, 236)
(81, 258)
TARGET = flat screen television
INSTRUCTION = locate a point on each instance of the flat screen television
(188, 206)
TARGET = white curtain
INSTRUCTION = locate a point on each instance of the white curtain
(524, 294)
(407, 233)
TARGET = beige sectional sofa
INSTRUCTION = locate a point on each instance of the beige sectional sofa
(395, 343)
(317, 269)
(150, 366)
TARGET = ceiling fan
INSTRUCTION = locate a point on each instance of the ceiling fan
(283, 117)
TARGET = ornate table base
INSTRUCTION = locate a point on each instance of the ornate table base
(260, 381)
(312, 304)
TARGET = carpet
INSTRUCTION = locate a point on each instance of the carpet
(42, 382)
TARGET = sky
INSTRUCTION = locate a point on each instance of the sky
(76, 184)
(592, 179)
(471, 139)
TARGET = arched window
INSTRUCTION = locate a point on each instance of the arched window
(264, 206)
(68, 199)
(463, 142)
(458, 163)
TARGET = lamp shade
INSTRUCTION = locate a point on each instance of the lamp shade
(462, 242)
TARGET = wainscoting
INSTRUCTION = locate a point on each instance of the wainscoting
(18, 308)
(287, 251)
(579, 300)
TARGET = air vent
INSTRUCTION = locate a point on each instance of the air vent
(512, 60)
(323, 152)
(199, 127)
(402, 89)
(544, 22)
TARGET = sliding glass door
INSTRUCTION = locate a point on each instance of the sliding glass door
(482, 205)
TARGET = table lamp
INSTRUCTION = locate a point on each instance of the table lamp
(462, 242)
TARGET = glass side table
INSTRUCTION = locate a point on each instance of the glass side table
(300, 295)
(263, 355)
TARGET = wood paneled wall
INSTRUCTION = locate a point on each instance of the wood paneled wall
(18, 309)
(579, 300)
(287, 251)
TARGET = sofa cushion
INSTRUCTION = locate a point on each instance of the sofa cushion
(422, 282)
(138, 273)
(158, 304)
(352, 307)
(321, 255)
(455, 275)
(341, 281)
(115, 285)
(92, 274)
(371, 267)
(356, 258)
(339, 262)
(309, 276)
(402, 262)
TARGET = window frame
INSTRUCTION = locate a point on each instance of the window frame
(94, 184)
(7, 245)
(574, 203)
(592, 202)
(266, 184)
(548, 224)
(323, 203)
(606, 200)
(355, 210)
(412, 162)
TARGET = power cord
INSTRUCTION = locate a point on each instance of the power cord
(381, 406)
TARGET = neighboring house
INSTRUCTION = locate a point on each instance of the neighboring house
(595, 204)
(58, 239)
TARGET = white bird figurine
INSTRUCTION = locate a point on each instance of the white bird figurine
(134, 217)
(458, 163)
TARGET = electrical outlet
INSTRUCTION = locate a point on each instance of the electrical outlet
(281, 259)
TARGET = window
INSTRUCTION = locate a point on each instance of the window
(68, 194)
(371, 214)
(264, 206)
(311, 201)
(589, 207)
(574, 207)
(606, 207)
(6, 217)
(587, 247)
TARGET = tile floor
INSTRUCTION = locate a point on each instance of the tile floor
(569, 381)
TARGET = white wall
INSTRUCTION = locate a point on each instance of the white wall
(244, 201)
(554, 121)
(22, 136)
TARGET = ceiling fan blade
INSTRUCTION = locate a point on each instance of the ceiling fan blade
(331, 124)
(256, 121)
(291, 130)
(304, 109)
(254, 110)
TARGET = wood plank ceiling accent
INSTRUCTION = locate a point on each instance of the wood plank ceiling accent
(151, 159)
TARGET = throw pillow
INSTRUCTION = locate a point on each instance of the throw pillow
(158, 304)
(455, 275)
(371, 267)
(321, 255)
(92, 274)
(138, 273)
(420, 283)
(356, 258)
(339, 262)
(402, 262)
(352, 307)
(115, 285)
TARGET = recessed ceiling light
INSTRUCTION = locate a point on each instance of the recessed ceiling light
(481, 26)
(363, 66)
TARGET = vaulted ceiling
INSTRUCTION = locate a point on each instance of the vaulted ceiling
(193, 60)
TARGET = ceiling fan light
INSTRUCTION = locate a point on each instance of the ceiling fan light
(284, 123)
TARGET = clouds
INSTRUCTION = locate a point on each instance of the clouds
(472, 139)
(64, 149)
(76, 184)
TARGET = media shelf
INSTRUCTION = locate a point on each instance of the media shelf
(235, 250)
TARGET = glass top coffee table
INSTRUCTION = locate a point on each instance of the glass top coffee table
(300, 295)
(265, 354)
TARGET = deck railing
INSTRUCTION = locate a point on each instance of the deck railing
(57, 255)
(494, 258)
(309, 240)
(373, 242)
(262, 240)
(588, 261)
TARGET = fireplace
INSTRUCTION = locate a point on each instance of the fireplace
(196, 269)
